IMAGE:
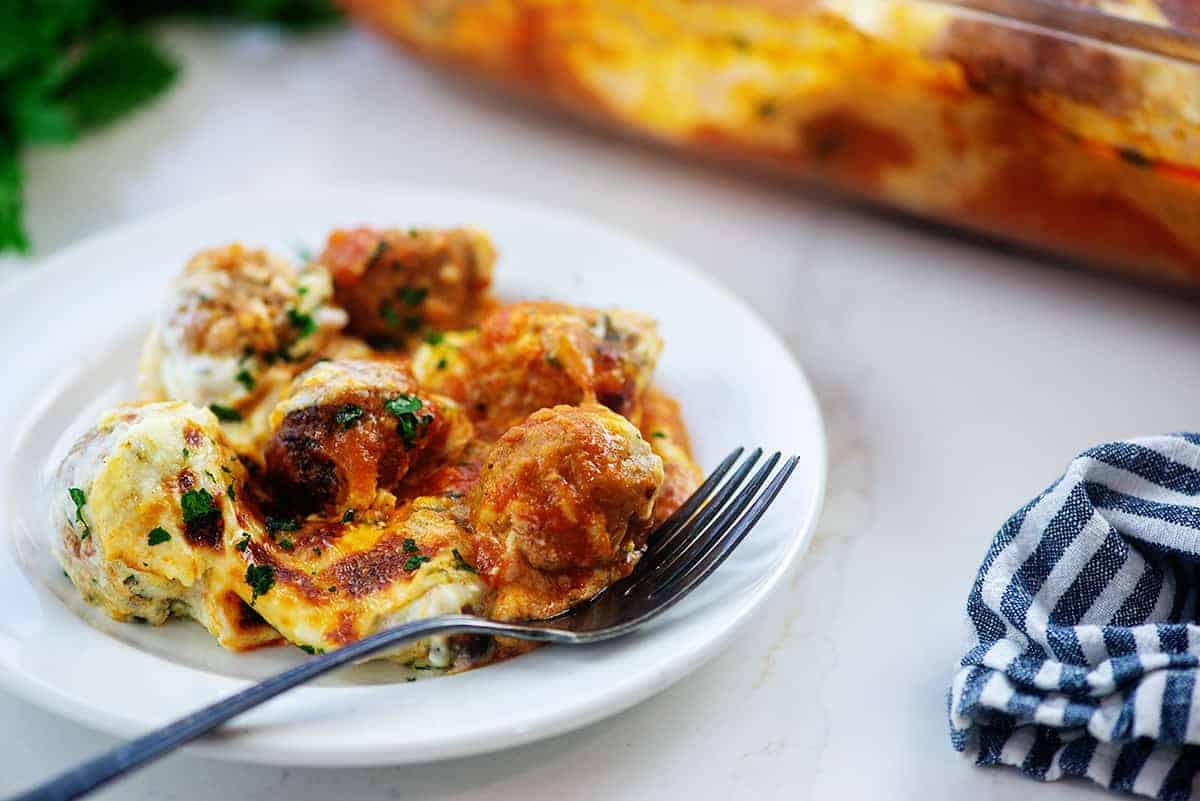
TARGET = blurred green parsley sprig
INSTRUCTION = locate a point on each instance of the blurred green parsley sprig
(69, 66)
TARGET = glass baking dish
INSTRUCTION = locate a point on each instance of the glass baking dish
(1068, 125)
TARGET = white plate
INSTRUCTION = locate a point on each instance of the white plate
(70, 332)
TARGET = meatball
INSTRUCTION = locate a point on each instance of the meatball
(569, 491)
(144, 504)
(238, 326)
(531, 356)
(396, 284)
(352, 428)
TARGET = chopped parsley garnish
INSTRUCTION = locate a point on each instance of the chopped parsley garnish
(157, 536)
(461, 563)
(412, 295)
(333, 589)
(225, 469)
(410, 545)
(304, 324)
(316, 551)
(389, 315)
(225, 414)
(308, 649)
(413, 324)
(243, 543)
(244, 378)
(304, 253)
(186, 453)
(302, 291)
(381, 247)
(229, 491)
(660, 435)
(261, 579)
(282, 524)
(348, 516)
(421, 666)
(286, 544)
(80, 501)
(434, 337)
(441, 364)
(196, 505)
(611, 334)
(553, 361)
(348, 415)
(409, 425)
(414, 562)
(412, 232)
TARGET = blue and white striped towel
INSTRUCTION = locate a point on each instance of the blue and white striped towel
(1083, 640)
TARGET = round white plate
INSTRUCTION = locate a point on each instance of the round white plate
(71, 331)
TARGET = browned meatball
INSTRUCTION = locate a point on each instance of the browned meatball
(531, 356)
(396, 284)
(350, 429)
(567, 493)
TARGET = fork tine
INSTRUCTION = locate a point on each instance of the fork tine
(710, 536)
(732, 539)
(682, 537)
(666, 532)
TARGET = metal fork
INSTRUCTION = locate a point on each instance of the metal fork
(683, 552)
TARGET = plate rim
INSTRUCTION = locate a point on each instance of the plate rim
(620, 698)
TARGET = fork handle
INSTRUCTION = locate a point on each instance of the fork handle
(132, 755)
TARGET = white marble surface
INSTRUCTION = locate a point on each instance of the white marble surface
(956, 381)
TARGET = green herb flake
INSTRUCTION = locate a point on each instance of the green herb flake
(81, 500)
(157, 536)
(660, 435)
(434, 337)
(316, 551)
(461, 563)
(348, 415)
(196, 505)
(286, 544)
(381, 248)
(409, 425)
(389, 315)
(413, 324)
(410, 545)
(308, 649)
(244, 378)
(186, 453)
(243, 543)
(348, 516)
(229, 491)
(282, 524)
(441, 364)
(412, 295)
(414, 562)
(225, 414)
(304, 324)
(332, 589)
(261, 579)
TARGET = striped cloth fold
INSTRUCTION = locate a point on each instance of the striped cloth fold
(1082, 645)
